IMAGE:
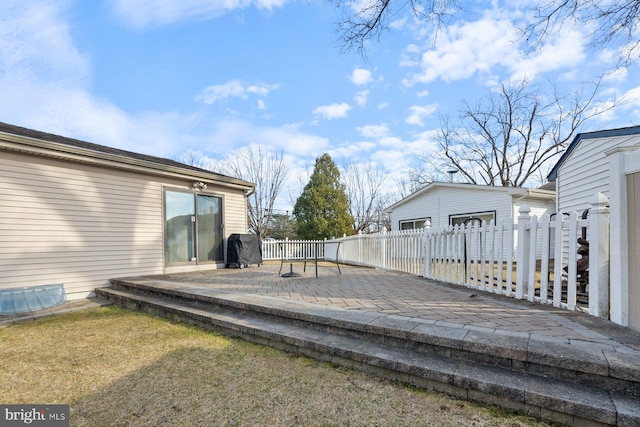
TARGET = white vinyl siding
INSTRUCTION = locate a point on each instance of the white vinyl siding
(444, 200)
(538, 207)
(80, 225)
(76, 225)
(440, 202)
(586, 172)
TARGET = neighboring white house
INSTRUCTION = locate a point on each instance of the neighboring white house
(440, 204)
(608, 162)
(78, 214)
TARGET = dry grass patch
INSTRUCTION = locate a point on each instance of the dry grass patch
(116, 367)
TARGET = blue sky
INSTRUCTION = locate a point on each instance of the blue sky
(169, 77)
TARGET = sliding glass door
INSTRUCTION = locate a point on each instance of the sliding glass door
(193, 228)
(209, 228)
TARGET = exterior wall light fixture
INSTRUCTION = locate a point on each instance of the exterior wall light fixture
(199, 185)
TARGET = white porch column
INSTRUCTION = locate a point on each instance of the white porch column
(619, 244)
(599, 256)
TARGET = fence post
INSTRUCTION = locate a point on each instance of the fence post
(522, 257)
(427, 253)
(599, 256)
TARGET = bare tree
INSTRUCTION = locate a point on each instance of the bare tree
(612, 22)
(268, 171)
(194, 158)
(364, 185)
(372, 19)
(508, 137)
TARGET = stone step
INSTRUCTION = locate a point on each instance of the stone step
(468, 364)
(589, 364)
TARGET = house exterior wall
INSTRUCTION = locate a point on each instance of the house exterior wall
(80, 225)
(538, 207)
(586, 172)
(602, 162)
(441, 202)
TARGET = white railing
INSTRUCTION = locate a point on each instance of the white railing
(534, 259)
(486, 257)
(292, 249)
(396, 250)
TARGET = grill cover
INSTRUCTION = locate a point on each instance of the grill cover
(244, 249)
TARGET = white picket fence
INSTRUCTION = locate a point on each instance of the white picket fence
(398, 250)
(487, 258)
(292, 249)
(534, 259)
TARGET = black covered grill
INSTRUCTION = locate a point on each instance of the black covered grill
(243, 249)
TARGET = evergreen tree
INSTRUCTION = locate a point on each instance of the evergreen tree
(322, 210)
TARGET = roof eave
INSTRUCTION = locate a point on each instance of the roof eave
(607, 133)
(428, 187)
(41, 147)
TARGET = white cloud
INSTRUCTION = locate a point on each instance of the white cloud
(43, 82)
(488, 44)
(36, 45)
(360, 77)
(398, 24)
(418, 112)
(374, 131)
(43, 85)
(234, 89)
(618, 75)
(632, 97)
(144, 13)
(333, 111)
(227, 134)
(351, 151)
(361, 98)
(565, 51)
(361, 7)
(393, 161)
(467, 48)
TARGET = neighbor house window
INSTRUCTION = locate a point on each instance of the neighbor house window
(478, 217)
(412, 224)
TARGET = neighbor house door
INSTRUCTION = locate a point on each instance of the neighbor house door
(633, 211)
(193, 228)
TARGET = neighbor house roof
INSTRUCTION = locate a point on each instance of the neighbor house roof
(29, 141)
(608, 133)
(512, 191)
